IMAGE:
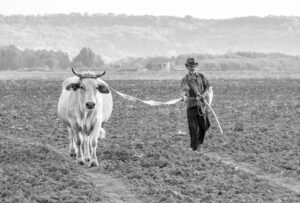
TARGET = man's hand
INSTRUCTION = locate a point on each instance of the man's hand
(200, 97)
(184, 98)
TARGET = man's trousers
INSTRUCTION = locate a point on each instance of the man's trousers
(198, 125)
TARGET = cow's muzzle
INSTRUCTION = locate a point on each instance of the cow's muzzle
(90, 105)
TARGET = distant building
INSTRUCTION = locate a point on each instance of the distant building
(165, 66)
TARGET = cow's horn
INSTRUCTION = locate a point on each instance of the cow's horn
(75, 73)
(100, 74)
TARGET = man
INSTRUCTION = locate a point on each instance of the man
(194, 88)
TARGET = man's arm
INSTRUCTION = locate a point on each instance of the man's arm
(206, 85)
(208, 92)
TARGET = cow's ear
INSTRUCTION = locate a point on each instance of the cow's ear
(74, 86)
(103, 89)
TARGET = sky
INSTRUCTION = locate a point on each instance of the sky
(204, 9)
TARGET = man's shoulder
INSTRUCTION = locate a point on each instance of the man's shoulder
(199, 74)
(185, 77)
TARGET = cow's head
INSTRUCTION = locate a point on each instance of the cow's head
(88, 87)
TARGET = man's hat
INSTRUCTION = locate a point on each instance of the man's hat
(191, 62)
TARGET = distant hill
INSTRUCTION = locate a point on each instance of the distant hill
(116, 36)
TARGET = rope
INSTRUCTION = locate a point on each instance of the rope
(214, 115)
(158, 103)
(149, 102)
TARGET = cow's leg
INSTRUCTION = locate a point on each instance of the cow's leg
(93, 141)
(72, 146)
(79, 144)
(86, 145)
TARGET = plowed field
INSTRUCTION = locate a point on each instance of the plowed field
(145, 156)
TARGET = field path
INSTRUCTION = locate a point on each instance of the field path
(289, 183)
(114, 189)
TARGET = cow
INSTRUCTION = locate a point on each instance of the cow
(84, 104)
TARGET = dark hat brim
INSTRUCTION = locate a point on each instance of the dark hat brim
(195, 64)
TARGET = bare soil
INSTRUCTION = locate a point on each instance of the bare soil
(146, 155)
(290, 183)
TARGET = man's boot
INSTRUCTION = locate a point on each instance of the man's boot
(199, 149)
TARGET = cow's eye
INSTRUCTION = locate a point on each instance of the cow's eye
(81, 87)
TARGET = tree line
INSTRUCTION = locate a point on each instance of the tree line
(12, 58)
(239, 61)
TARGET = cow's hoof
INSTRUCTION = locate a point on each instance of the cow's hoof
(93, 163)
(73, 154)
(80, 161)
(87, 159)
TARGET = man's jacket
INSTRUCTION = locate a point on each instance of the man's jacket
(198, 82)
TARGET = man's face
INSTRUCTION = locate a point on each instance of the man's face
(191, 69)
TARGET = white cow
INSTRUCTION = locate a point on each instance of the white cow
(84, 104)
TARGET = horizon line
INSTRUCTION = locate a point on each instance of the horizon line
(139, 15)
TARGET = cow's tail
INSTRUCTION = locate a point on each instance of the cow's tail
(102, 133)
